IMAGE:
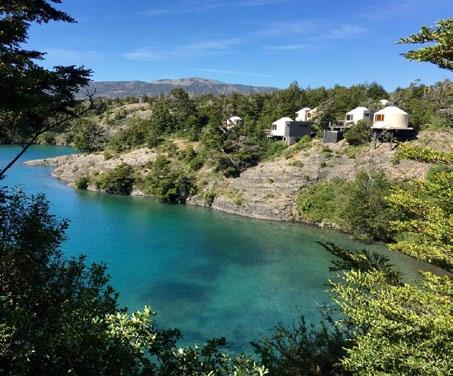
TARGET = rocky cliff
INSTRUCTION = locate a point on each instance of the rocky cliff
(269, 190)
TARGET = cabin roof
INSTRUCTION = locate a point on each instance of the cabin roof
(391, 110)
(305, 109)
(283, 119)
(357, 109)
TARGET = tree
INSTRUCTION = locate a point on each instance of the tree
(441, 52)
(33, 99)
(49, 304)
(394, 328)
(88, 136)
(400, 329)
(161, 120)
(366, 210)
(182, 108)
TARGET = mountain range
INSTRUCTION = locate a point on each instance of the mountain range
(193, 85)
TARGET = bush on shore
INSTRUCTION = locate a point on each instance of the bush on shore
(119, 180)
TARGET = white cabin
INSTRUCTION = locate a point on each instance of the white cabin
(234, 120)
(279, 126)
(391, 117)
(384, 102)
(302, 115)
(357, 114)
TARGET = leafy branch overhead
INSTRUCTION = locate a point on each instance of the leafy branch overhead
(34, 99)
(440, 52)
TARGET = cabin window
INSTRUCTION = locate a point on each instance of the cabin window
(379, 117)
(274, 127)
(349, 117)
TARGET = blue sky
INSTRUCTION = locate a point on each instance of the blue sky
(258, 42)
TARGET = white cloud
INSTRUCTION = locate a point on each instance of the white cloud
(205, 6)
(143, 54)
(313, 29)
(287, 27)
(343, 31)
(388, 10)
(193, 49)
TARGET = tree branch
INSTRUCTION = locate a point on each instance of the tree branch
(46, 129)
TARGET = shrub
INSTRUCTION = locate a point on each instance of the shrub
(322, 202)
(273, 149)
(423, 154)
(117, 181)
(358, 207)
(366, 210)
(167, 182)
(138, 133)
(209, 197)
(82, 182)
(358, 134)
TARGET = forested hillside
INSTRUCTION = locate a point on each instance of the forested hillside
(178, 149)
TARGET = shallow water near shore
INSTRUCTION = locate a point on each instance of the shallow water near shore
(205, 272)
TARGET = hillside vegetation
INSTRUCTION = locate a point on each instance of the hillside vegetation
(178, 149)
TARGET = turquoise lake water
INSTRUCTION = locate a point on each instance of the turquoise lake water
(207, 273)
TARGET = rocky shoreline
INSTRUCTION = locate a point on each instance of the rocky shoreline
(268, 191)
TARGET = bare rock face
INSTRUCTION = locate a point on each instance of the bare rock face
(270, 190)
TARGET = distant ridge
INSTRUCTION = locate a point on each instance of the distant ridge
(193, 85)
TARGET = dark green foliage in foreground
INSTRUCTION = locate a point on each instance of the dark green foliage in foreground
(168, 183)
(48, 304)
(358, 134)
(119, 180)
(358, 206)
(303, 350)
(363, 260)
